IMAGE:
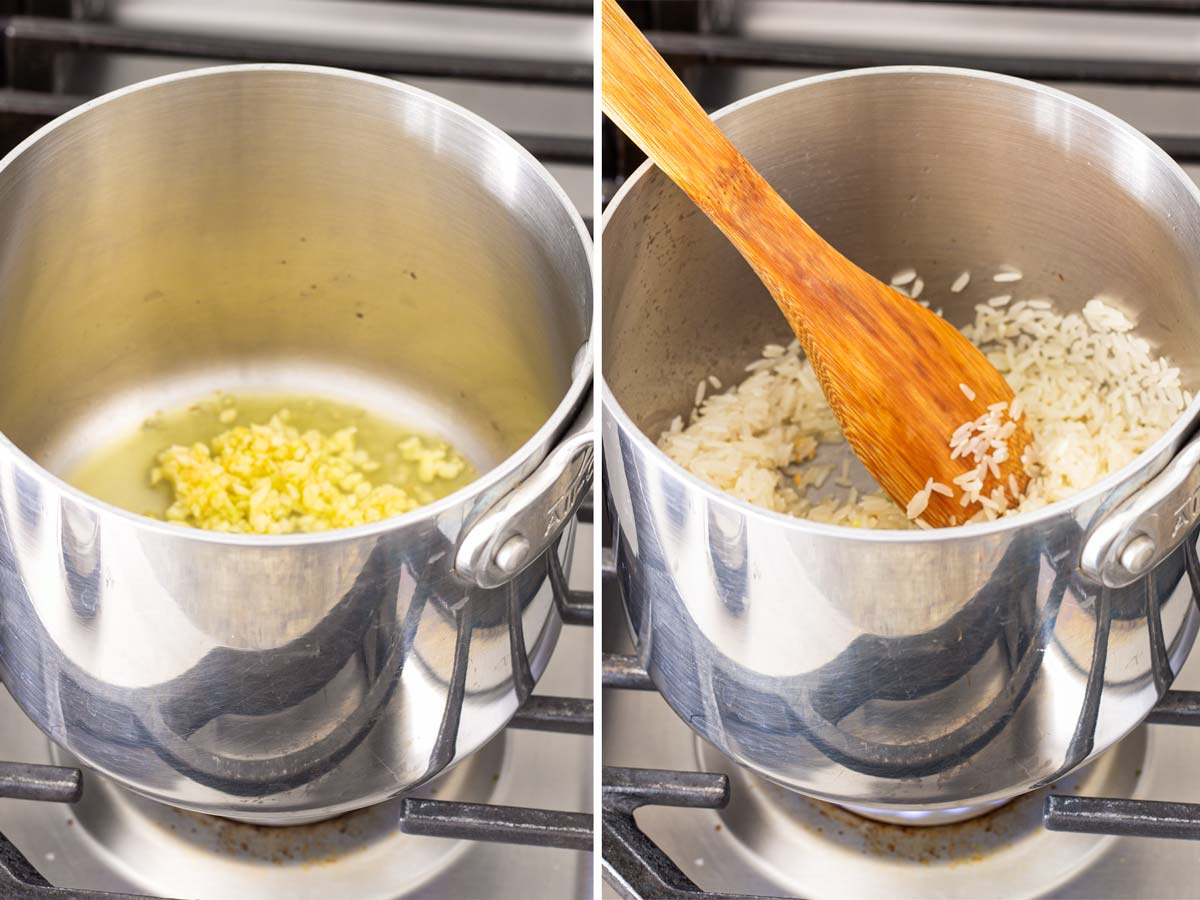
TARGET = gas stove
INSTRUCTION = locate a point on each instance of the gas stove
(719, 830)
(1135, 58)
(707, 827)
(527, 67)
(511, 821)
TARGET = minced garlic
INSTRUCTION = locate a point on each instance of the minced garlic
(275, 479)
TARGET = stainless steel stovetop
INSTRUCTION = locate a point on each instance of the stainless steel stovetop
(114, 840)
(772, 842)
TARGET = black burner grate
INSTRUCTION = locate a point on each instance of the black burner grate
(635, 866)
(435, 818)
(19, 880)
(684, 33)
(38, 47)
(41, 47)
(33, 46)
(687, 33)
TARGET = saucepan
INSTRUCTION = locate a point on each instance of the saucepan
(296, 230)
(898, 669)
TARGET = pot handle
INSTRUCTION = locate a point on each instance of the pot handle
(1149, 526)
(525, 522)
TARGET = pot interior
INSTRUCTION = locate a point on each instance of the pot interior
(283, 231)
(942, 170)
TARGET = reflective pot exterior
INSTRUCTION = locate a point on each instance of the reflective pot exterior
(277, 679)
(897, 669)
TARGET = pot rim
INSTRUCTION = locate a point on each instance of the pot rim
(999, 526)
(545, 435)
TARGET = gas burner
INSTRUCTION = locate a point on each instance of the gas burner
(455, 837)
(362, 854)
(820, 850)
(707, 828)
(924, 817)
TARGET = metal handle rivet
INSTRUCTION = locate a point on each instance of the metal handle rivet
(1138, 554)
(512, 553)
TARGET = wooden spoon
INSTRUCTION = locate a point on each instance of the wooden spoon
(890, 369)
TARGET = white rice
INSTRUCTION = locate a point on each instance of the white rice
(1007, 274)
(984, 442)
(1104, 317)
(970, 394)
(960, 283)
(919, 501)
(1094, 393)
(903, 277)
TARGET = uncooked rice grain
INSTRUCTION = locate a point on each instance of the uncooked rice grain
(1094, 393)
(920, 501)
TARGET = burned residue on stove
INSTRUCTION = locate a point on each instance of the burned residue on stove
(315, 844)
(957, 843)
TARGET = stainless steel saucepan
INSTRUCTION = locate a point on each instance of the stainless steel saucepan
(907, 669)
(305, 231)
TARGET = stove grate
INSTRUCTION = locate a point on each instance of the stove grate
(503, 824)
(1134, 818)
(19, 880)
(49, 784)
(39, 48)
(683, 47)
(637, 868)
(1130, 818)
(34, 44)
(687, 34)
(565, 715)
(633, 864)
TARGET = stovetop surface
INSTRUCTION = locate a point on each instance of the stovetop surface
(114, 840)
(813, 850)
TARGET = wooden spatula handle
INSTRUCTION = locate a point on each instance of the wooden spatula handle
(681, 139)
(648, 102)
